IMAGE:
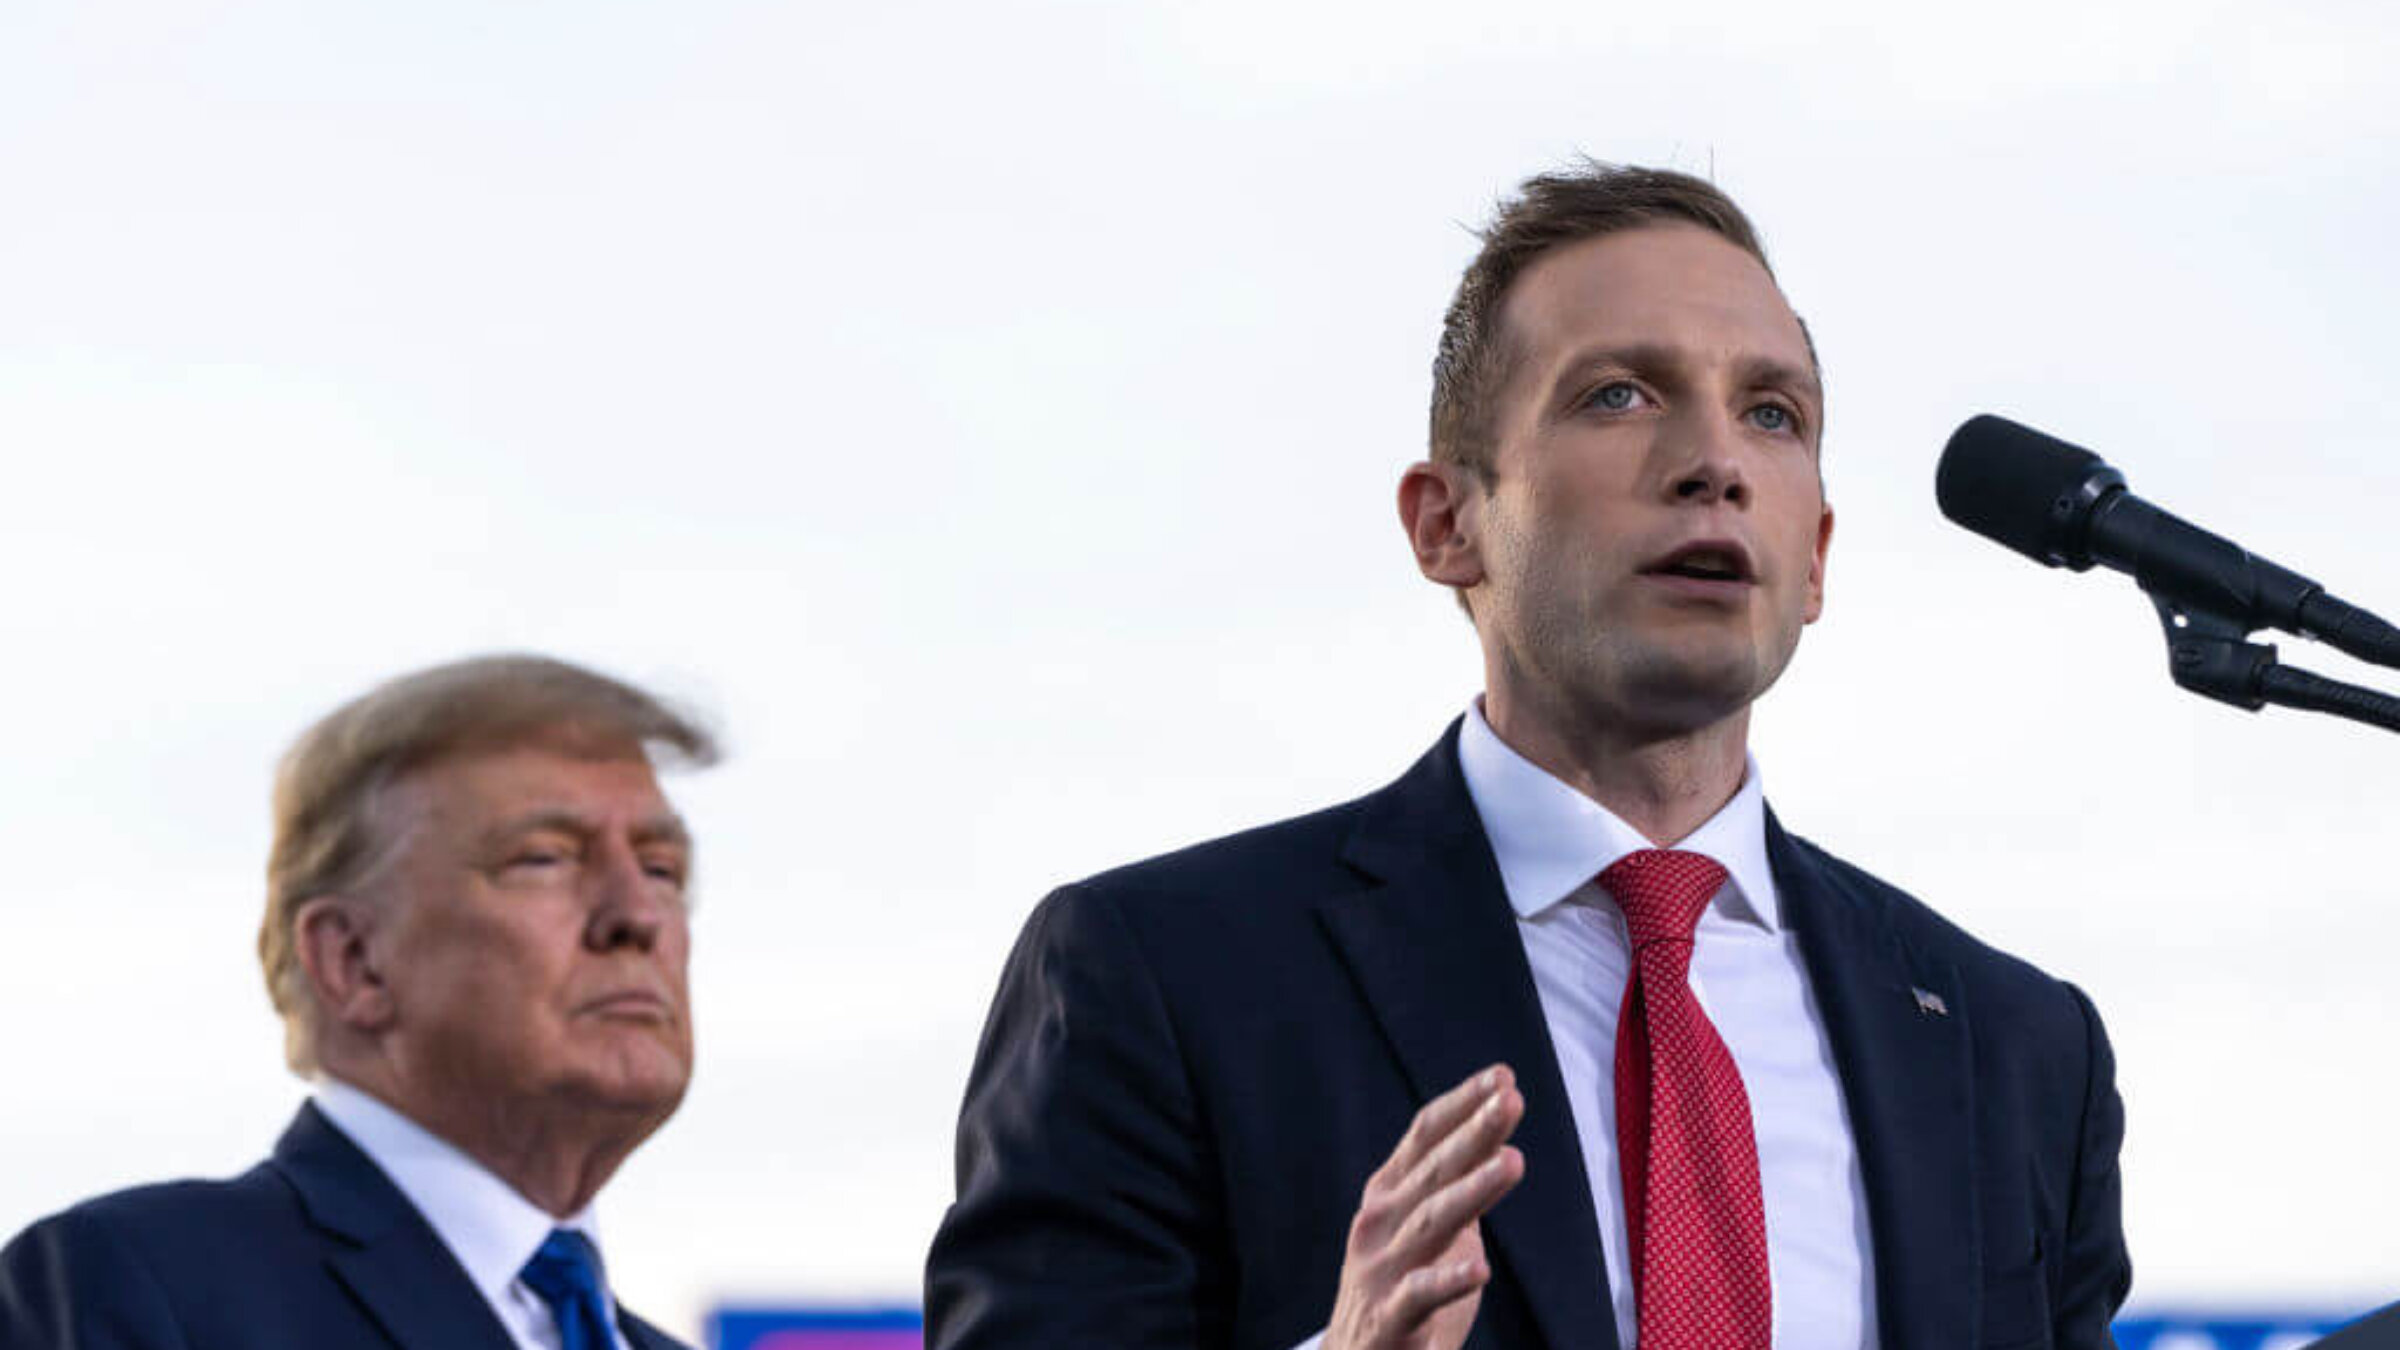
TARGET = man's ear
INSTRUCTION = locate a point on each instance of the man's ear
(332, 934)
(1816, 568)
(1441, 508)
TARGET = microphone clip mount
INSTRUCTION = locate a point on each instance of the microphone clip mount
(2212, 656)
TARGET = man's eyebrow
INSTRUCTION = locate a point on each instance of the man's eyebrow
(557, 818)
(1633, 355)
(1768, 370)
(664, 828)
(1640, 356)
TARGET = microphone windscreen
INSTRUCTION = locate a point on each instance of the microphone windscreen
(2014, 485)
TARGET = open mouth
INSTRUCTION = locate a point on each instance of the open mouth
(1706, 561)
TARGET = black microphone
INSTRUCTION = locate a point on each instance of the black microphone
(2063, 506)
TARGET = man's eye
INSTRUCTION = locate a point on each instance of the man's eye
(536, 857)
(1772, 417)
(1617, 396)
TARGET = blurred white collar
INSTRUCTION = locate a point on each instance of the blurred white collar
(491, 1228)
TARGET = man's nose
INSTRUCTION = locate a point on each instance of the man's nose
(631, 907)
(1705, 464)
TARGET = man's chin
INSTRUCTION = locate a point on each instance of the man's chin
(635, 1080)
(1686, 692)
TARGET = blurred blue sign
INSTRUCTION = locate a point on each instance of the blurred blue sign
(2220, 1331)
(816, 1329)
(903, 1329)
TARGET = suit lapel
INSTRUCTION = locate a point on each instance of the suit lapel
(1899, 1030)
(381, 1249)
(1433, 946)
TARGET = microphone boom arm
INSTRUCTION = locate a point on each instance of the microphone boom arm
(2292, 688)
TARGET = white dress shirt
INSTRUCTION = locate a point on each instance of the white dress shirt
(486, 1224)
(1552, 842)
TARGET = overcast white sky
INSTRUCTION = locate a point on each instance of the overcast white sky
(989, 413)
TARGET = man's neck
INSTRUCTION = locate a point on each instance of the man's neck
(558, 1161)
(1663, 785)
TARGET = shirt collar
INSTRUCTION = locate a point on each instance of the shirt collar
(486, 1224)
(1550, 839)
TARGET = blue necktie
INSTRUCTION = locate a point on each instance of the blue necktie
(566, 1273)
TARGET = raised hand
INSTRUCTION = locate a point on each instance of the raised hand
(1414, 1271)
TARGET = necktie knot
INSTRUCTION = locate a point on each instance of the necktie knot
(1662, 892)
(565, 1273)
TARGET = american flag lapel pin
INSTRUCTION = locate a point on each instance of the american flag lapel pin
(1929, 1002)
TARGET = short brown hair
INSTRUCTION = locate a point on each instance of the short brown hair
(1549, 210)
(329, 836)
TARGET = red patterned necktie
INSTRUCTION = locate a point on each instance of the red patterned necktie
(1684, 1142)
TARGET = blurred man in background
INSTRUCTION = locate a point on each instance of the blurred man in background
(1285, 1086)
(476, 934)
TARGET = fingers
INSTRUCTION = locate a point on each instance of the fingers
(1440, 1116)
(1451, 1166)
(1429, 1289)
(1470, 1143)
(1415, 1265)
(1436, 1221)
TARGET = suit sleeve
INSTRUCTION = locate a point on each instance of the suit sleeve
(1088, 1216)
(72, 1282)
(2095, 1270)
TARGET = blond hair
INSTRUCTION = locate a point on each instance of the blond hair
(329, 835)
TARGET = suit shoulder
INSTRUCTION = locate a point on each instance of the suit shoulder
(170, 1210)
(1921, 925)
(129, 1266)
(1270, 859)
(1269, 871)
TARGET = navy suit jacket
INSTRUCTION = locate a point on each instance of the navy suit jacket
(313, 1249)
(2375, 1331)
(1194, 1063)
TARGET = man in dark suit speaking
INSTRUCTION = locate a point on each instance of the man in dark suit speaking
(476, 935)
(1560, 1040)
